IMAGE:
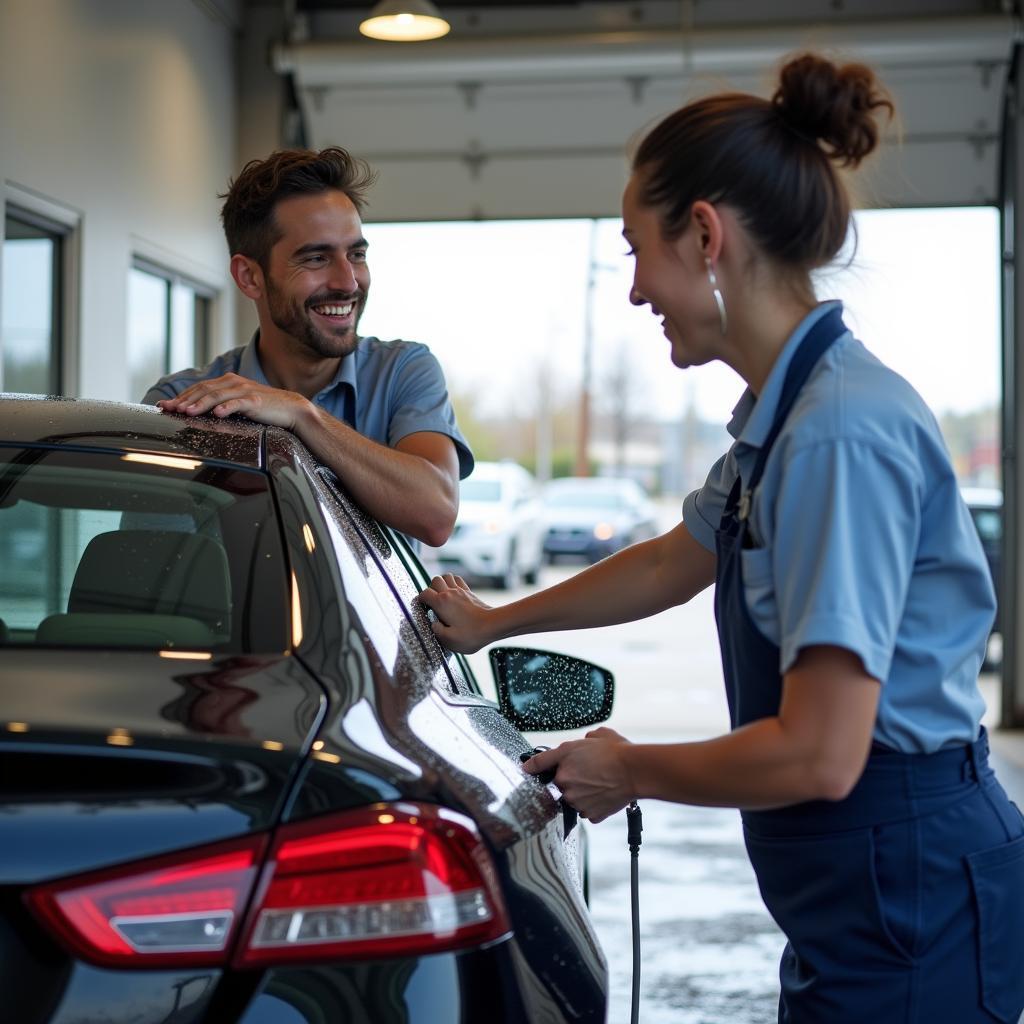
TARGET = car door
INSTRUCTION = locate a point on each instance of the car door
(540, 856)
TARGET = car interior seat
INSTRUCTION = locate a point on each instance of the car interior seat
(146, 588)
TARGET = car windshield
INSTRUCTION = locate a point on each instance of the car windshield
(574, 497)
(480, 490)
(138, 551)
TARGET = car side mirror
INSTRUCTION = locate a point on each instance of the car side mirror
(542, 691)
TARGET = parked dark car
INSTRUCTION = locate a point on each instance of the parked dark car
(593, 517)
(240, 781)
(986, 507)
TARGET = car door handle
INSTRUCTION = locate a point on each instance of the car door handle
(544, 777)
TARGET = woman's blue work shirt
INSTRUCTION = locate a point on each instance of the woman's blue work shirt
(865, 540)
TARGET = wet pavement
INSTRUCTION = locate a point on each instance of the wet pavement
(708, 949)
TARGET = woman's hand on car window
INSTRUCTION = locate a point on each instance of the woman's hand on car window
(462, 618)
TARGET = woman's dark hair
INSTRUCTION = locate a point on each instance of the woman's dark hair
(772, 161)
(248, 210)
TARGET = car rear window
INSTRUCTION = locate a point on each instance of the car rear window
(138, 551)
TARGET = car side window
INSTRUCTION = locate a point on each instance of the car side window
(456, 664)
(407, 577)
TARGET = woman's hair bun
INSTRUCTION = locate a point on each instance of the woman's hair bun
(834, 105)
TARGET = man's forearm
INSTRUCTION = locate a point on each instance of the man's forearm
(403, 490)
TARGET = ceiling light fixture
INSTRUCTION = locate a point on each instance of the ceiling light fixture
(404, 21)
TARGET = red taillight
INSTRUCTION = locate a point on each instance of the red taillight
(181, 909)
(387, 880)
(379, 881)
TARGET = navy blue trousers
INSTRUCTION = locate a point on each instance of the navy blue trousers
(904, 903)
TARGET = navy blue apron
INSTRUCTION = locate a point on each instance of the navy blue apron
(904, 902)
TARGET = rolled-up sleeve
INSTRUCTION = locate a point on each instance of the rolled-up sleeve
(702, 509)
(846, 528)
(420, 402)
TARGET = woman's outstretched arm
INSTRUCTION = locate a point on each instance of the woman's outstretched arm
(636, 582)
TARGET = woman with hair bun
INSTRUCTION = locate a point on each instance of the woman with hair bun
(852, 597)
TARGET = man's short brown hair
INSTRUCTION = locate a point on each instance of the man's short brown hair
(248, 210)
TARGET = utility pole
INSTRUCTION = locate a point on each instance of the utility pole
(582, 467)
(543, 438)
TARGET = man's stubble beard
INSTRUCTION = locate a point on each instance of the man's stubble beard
(295, 320)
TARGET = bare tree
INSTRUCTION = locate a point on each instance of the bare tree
(623, 389)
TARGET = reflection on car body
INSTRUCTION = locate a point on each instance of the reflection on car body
(243, 782)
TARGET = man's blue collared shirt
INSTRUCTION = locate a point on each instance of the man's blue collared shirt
(864, 539)
(385, 390)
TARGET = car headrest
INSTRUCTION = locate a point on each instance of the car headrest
(90, 629)
(154, 572)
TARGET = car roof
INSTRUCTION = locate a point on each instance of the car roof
(498, 470)
(594, 483)
(982, 497)
(120, 426)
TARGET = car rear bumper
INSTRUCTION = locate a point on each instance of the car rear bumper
(494, 984)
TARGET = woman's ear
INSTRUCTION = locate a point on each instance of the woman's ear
(248, 276)
(708, 229)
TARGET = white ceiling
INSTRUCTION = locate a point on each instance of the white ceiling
(528, 111)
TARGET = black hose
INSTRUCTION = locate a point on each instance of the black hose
(635, 825)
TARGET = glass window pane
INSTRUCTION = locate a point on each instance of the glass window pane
(147, 330)
(183, 327)
(94, 553)
(29, 343)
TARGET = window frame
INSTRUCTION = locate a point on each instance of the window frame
(62, 225)
(202, 323)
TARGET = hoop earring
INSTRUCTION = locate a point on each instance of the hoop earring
(717, 293)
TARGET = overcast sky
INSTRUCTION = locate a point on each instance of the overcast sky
(500, 302)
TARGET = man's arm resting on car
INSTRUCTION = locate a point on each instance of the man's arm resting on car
(413, 487)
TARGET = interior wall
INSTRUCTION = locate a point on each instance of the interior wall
(261, 111)
(123, 114)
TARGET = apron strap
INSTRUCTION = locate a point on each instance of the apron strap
(810, 350)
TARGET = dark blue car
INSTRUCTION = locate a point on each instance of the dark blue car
(986, 507)
(240, 782)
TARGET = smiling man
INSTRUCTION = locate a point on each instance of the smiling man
(375, 412)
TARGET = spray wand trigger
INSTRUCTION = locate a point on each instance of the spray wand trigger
(543, 777)
(634, 826)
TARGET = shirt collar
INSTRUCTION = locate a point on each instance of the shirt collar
(249, 363)
(753, 415)
(249, 366)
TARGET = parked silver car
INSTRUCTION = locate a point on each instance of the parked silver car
(499, 534)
